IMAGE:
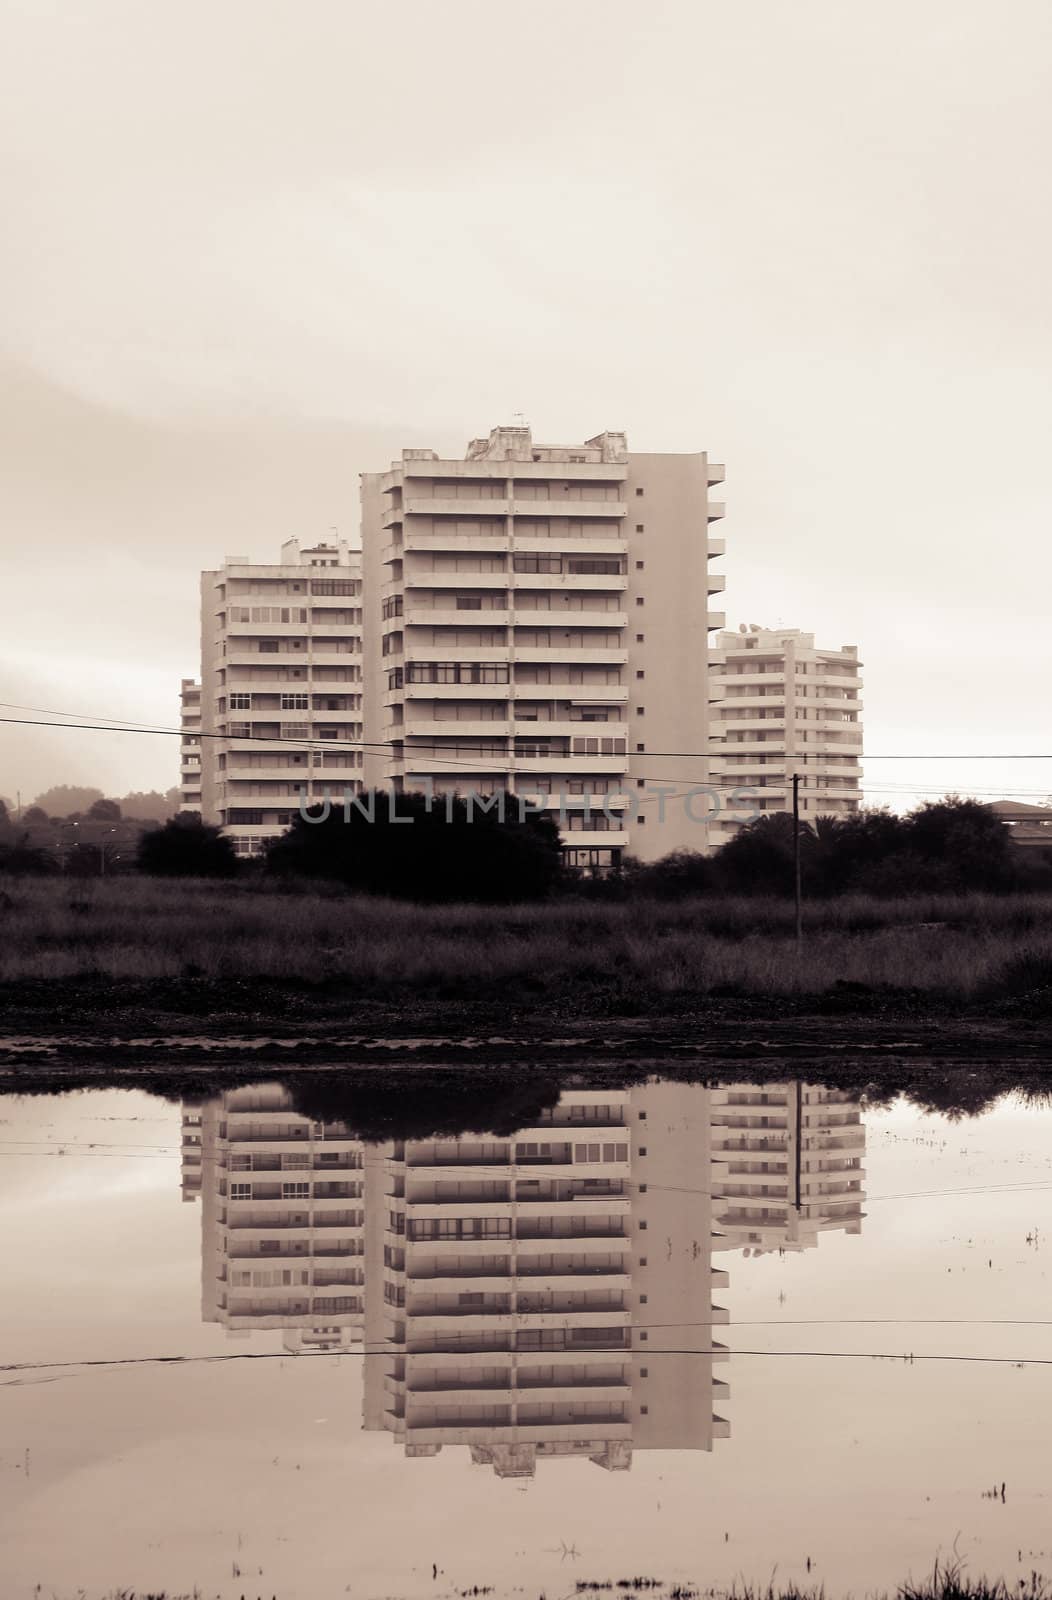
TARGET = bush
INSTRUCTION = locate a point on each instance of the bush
(411, 847)
(185, 847)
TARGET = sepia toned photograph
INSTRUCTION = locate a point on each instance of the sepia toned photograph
(525, 800)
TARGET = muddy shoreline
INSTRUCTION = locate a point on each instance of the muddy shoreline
(46, 1025)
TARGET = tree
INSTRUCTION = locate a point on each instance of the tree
(677, 876)
(22, 860)
(415, 848)
(150, 805)
(104, 811)
(65, 798)
(185, 847)
(759, 858)
(35, 816)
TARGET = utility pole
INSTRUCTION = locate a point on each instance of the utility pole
(796, 861)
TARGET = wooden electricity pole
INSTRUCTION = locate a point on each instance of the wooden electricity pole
(796, 860)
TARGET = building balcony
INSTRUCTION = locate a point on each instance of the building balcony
(775, 678)
(575, 693)
(445, 617)
(570, 655)
(569, 621)
(717, 546)
(467, 1431)
(416, 695)
(436, 578)
(483, 544)
(569, 727)
(716, 620)
(716, 472)
(417, 725)
(715, 583)
(606, 582)
(745, 704)
(716, 510)
(560, 541)
(460, 507)
(606, 510)
(483, 654)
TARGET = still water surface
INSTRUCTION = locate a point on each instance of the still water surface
(689, 1333)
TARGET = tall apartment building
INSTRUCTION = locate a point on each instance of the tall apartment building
(282, 1219)
(538, 619)
(536, 1296)
(787, 1165)
(781, 706)
(190, 745)
(281, 686)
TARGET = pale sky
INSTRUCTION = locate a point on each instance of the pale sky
(252, 249)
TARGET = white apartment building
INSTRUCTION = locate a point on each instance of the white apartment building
(282, 1220)
(190, 745)
(535, 1296)
(782, 706)
(281, 687)
(788, 1165)
(538, 620)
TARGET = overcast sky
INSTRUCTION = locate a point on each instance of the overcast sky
(255, 246)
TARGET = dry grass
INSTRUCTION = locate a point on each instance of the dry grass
(146, 929)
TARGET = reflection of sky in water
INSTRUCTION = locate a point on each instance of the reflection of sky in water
(167, 1476)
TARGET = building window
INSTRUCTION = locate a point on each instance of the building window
(639, 527)
(639, 600)
(294, 702)
(295, 1191)
(639, 492)
(639, 566)
(240, 702)
(640, 748)
(240, 1191)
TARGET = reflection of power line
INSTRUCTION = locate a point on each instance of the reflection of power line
(163, 1152)
(76, 1368)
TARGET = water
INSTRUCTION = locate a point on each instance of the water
(624, 1357)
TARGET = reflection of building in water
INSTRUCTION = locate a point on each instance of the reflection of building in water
(190, 1164)
(787, 1165)
(549, 1293)
(282, 1232)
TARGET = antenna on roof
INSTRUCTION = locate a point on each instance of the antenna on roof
(519, 417)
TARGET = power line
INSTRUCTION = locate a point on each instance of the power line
(114, 725)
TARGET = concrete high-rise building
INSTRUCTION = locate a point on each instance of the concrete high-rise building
(281, 687)
(535, 1295)
(781, 706)
(190, 745)
(787, 1165)
(537, 619)
(282, 1219)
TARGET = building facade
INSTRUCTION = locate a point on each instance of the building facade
(190, 745)
(782, 706)
(281, 687)
(537, 619)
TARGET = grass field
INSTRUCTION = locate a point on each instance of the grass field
(143, 929)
